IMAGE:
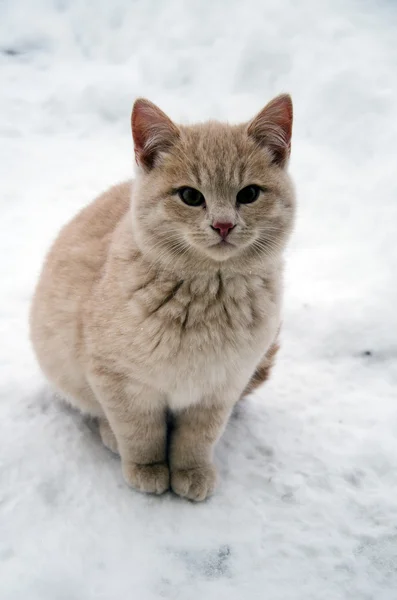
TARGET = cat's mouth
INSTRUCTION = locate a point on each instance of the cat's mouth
(222, 250)
(224, 243)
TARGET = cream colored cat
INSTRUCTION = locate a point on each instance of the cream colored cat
(159, 303)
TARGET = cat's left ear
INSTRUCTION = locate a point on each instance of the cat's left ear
(153, 132)
(272, 128)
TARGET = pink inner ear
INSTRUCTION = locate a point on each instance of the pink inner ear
(281, 108)
(137, 124)
(152, 132)
(272, 127)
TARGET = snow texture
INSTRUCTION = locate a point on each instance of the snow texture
(306, 507)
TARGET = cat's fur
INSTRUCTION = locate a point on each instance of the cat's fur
(144, 319)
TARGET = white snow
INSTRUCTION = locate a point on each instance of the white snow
(306, 507)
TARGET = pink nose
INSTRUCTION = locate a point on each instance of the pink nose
(223, 228)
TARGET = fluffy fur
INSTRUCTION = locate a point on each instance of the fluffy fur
(146, 319)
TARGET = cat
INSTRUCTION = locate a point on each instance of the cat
(158, 305)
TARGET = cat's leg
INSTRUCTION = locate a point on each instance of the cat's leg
(195, 431)
(107, 436)
(137, 417)
(263, 370)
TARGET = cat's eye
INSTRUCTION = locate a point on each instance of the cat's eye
(248, 194)
(190, 196)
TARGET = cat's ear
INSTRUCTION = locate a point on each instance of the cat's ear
(153, 132)
(272, 128)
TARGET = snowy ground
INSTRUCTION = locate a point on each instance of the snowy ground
(306, 507)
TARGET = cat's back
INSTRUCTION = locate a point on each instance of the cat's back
(86, 237)
(80, 250)
(73, 264)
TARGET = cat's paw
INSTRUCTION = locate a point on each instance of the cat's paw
(195, 484)
(152, 479)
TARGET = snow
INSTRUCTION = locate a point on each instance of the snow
(306, 505)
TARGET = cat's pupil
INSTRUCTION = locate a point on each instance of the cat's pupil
(248, 194)
(191, 196)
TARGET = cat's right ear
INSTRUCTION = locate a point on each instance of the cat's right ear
(152, 131)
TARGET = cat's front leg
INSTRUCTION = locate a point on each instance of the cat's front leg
(194, 434)
(137, 417)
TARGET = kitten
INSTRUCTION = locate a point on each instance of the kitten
(160, 301)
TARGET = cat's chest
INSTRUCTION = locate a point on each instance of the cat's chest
(208, 304)
(202, 329)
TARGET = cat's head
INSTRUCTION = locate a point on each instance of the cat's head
(212, 193)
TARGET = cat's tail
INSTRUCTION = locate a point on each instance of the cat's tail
(263, 370)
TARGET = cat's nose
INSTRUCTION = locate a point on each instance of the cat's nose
(223, 228)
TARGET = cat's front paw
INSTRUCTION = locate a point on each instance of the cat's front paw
(195, 484)
(152, 479)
